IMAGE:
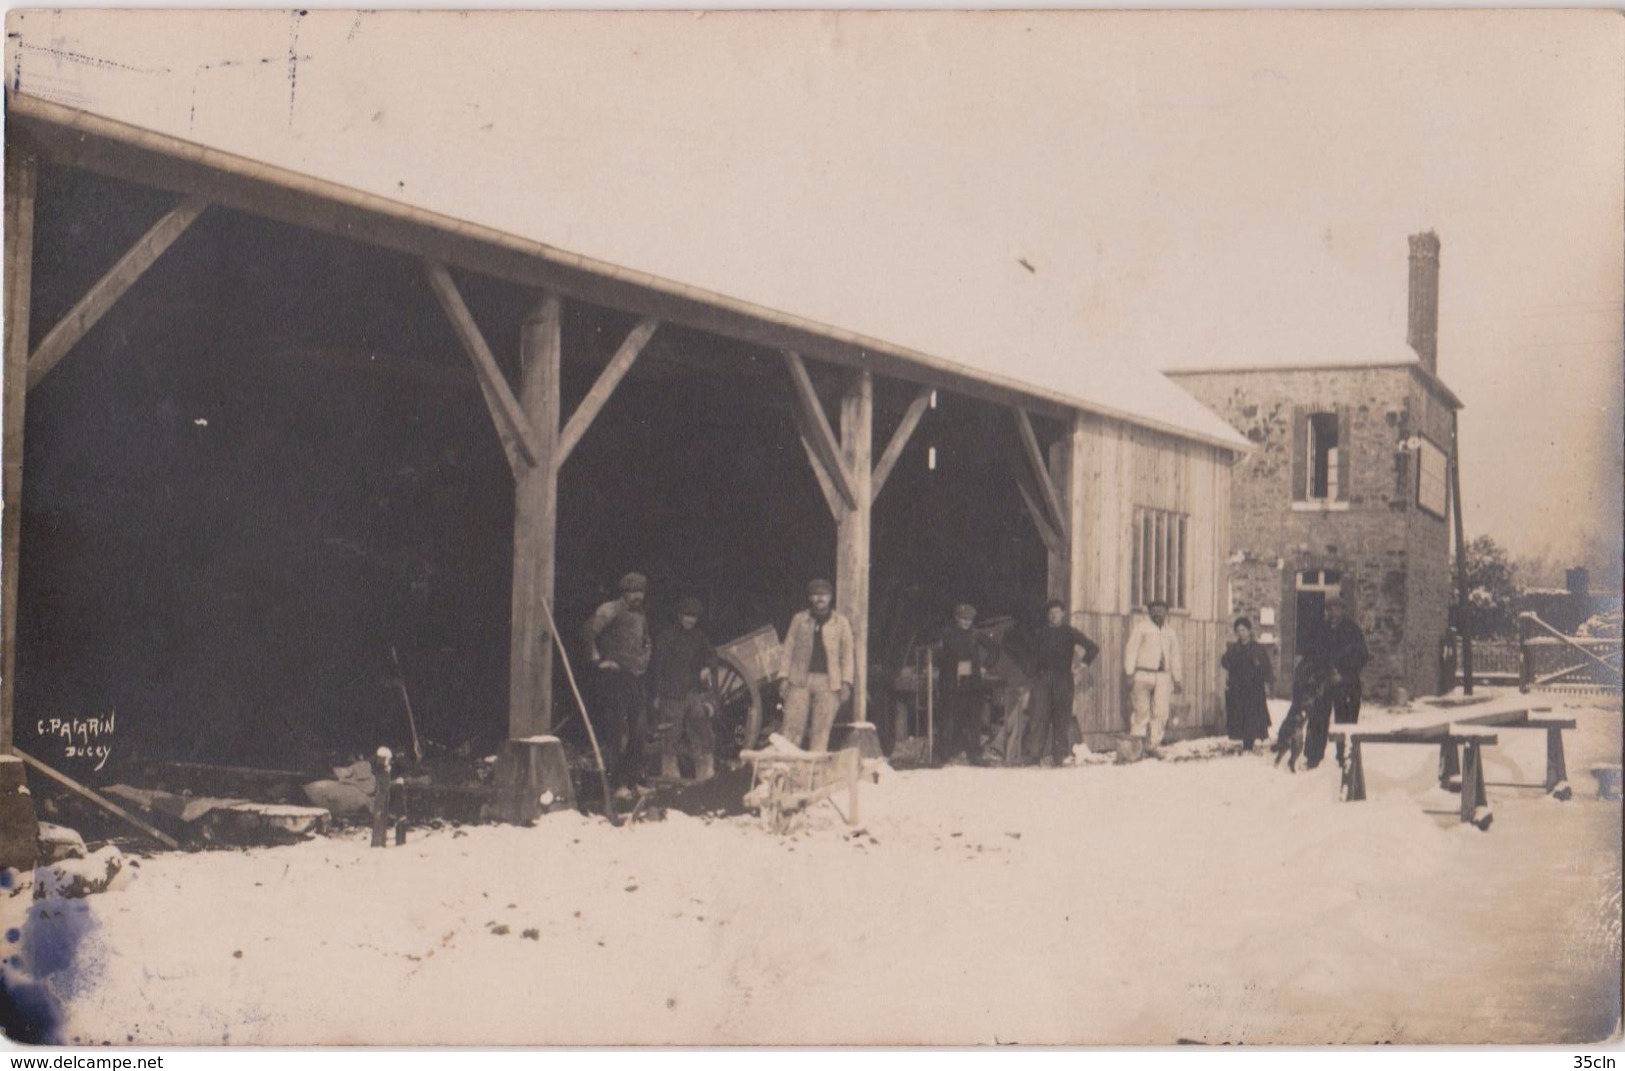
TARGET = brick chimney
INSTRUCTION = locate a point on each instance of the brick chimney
(1423, 330)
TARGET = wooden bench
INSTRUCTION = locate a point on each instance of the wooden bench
(1447, 738)
(1557, 771)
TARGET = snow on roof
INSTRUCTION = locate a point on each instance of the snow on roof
(499, 162)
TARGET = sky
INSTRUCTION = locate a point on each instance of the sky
(1073, 192)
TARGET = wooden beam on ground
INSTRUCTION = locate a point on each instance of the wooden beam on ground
(101, 297)
(852, 529)
(98, 799)
(535, 526)
(899, 440)
(608, 380)
(817, 425)
(506, 412)
(1048, 498)
(21, 176)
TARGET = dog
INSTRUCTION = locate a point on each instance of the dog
(1291, 737)
(1308, 689)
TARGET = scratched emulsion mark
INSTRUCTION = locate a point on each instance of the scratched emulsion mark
(43, 963)
(293, 60)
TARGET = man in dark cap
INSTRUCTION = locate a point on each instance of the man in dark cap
(1048, 736)
(617, 637)
(817, 668)
(964, 654)
(683, 656)
(1338, 653)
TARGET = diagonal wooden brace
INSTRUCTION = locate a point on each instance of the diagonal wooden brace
(899, 440)
(88, 310)
(505, 411)
(1048, 498)
(816, 425)
(608, 380)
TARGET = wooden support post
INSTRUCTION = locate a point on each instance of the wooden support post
(60, 340)
(1473, 795)
(535, 523)
(1354, 773)
(21, 177)
(1557, 768)
(1463, 598)
(1449, 767)
(852, 528)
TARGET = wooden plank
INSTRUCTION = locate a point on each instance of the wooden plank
(899, 440)
(505, 409)
(823, 437)
(852, 529)
(1040, 470)
(21, 177)
(101, 297)
(97, 798)
(607, 381)
(535, 525)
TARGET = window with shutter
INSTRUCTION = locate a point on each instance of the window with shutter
(1300, 454)
(1345, 440)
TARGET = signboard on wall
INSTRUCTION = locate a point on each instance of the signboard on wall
(1430, 479)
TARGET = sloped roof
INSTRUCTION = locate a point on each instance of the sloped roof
(1000, 339)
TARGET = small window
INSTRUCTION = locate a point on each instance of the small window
(1323, 450)
(1320, 456)
(1157, 557)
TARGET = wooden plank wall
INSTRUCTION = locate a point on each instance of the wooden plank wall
(1112, 468)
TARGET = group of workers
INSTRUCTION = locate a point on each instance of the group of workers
(815, 674)
(1151, 662)
(672, 674)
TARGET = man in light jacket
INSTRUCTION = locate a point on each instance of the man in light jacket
(817, 669)
(1151, 661)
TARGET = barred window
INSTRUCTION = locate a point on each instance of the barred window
(1157, 565)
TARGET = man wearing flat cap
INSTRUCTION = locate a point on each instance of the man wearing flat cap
(683, 657)
(617, 637)
(1047, 737)
(1337, 650)
(817, 668)
(964, 654)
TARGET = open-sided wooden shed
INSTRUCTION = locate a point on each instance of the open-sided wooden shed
(1129, 497)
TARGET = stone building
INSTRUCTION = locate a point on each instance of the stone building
(1346, 492)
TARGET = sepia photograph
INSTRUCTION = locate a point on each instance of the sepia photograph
(949, 529)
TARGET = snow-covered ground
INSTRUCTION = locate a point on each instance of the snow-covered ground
(1216, 900)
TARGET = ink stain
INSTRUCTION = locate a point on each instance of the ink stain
(13, 935)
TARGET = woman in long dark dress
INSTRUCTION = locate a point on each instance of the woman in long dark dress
(1248, 674)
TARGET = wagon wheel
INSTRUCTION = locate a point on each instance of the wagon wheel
(739, 714)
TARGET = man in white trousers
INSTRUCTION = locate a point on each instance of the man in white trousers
(1151, 661)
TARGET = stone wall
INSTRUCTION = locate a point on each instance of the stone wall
(1393, 557)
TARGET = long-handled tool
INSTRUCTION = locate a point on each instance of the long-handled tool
(581, 705)
(411, 722)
